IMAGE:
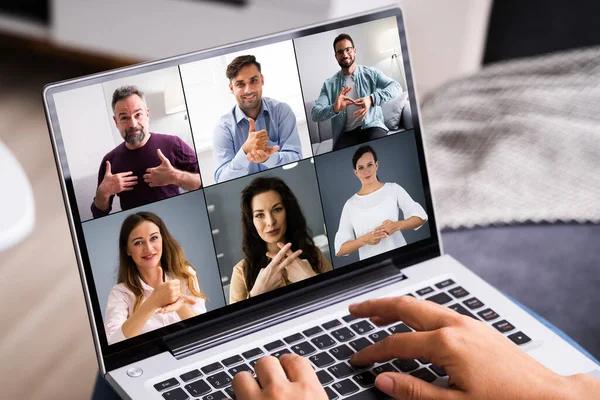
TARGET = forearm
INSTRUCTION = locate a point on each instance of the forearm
(134, 324)
(188, 180)
(102, 199)
(350, 247)
(410, 223)
(186, 312)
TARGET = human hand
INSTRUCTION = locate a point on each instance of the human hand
(164, 174)
(480, 362)
(273, 375)
(165, 293)
(364, 103)
(298, 269)
(256, 140)
(373, 237)
(260, 156)
(116, 183)
(387, 226)
(271, 276)
(342, 101)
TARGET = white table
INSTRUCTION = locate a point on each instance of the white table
(17, 208)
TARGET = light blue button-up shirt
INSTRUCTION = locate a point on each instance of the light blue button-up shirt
(369, 82)
(276, 118)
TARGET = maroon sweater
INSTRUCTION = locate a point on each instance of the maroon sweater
(122, 159)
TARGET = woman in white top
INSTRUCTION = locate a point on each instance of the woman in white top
(370, 219)
(156, 285)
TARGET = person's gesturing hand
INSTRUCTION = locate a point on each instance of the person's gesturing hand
(298, 269)
(116, 183)
(271, 276)
(256, 140)
(364, 103)
(342, 101)
(374, 237)
(290, 377)
(260, 156)
(162, 175)
(480, 362)
(387, 226)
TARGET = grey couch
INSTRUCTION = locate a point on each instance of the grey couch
(397, 117)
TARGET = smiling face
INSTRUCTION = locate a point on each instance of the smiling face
(366, 169)
(247, 86)
(132, 118)
(144, 245)
(345, 53)
(268, 215)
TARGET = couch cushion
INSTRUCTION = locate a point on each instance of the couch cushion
(392, 110)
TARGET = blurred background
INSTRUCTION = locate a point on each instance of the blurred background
(509, 93)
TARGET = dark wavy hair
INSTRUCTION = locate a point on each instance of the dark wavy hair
(361, 151)
(234, 67)
(340, 37)
(297, 232)
(172, 261)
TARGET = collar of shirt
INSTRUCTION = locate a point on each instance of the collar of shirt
(240, 115)
(355, 75)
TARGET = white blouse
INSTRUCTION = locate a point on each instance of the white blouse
(362, 214)
(121, 300)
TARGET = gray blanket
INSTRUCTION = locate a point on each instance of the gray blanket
(519, 141)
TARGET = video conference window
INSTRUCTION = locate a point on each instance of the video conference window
(128, 139)
(354, 84)
(246, 111)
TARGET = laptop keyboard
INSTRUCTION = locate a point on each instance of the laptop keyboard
(329, 346)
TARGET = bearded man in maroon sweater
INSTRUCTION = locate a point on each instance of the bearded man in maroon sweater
(146, 167)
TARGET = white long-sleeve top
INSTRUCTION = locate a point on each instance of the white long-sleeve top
(121, 300)
(362, 214)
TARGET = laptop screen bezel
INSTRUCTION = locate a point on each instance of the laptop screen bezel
(151, 343)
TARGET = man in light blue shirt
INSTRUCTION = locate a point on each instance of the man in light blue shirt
(258, 133)
(352, 97)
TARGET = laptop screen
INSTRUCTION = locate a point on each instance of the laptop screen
(198, 184)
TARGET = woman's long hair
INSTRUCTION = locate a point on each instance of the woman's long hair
(297, 232)
(172, 261)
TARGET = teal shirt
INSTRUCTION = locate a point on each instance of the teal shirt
(369, 82)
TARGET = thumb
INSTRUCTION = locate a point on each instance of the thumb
(162, 156)
(408, 387)
(161, 278)
(272, 149)
(107, 171)
(252, 125)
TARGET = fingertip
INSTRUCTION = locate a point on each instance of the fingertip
(385, 383)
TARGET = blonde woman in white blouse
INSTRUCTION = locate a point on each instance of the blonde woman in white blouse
(369, 221)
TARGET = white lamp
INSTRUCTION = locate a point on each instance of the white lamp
(174, 101)
(389, 43)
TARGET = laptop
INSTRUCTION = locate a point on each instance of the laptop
(184, 178)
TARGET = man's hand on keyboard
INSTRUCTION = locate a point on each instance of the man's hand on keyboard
(273, 375)
(480, 362)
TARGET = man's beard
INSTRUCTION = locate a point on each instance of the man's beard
(346, 64)
(135, 136)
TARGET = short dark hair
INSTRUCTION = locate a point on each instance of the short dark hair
(361, 151)
(340, 37)
(238, 63)
(124, 92)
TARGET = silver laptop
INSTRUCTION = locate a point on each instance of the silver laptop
(185, 178)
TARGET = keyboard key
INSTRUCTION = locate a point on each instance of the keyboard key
(321, 360)
(215, 396)
(228, 362)
(341, 370)
(345, 387)
(164, 385)
(212, 368)
(440, 298)
(324, 377)
(400, 328)
(274, 345)
(369, 394)
(458, 292)
(219, 380)
(443, 284)
(293, 338)
(409, 294)
(377, 336)
(343, 334)
(461, 310)
(198, 388)
(362, 327)
(488, 314)
(239, 368)
(503, 326)
(423, 361)
(176, 394)
(188, 376)
(331, 324)
(331, 394)
(277, 354)
(424, 374)
(383, 368)
(303, 349)
(519, 338)
(425, 291)
(342, 352)
(473, 303)
(349, 318)
(364, 379)
(323, 341)
(438, 370)
(312, 331)
(405, 365)
(360, 344)
(230, 393)
(252, 353)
